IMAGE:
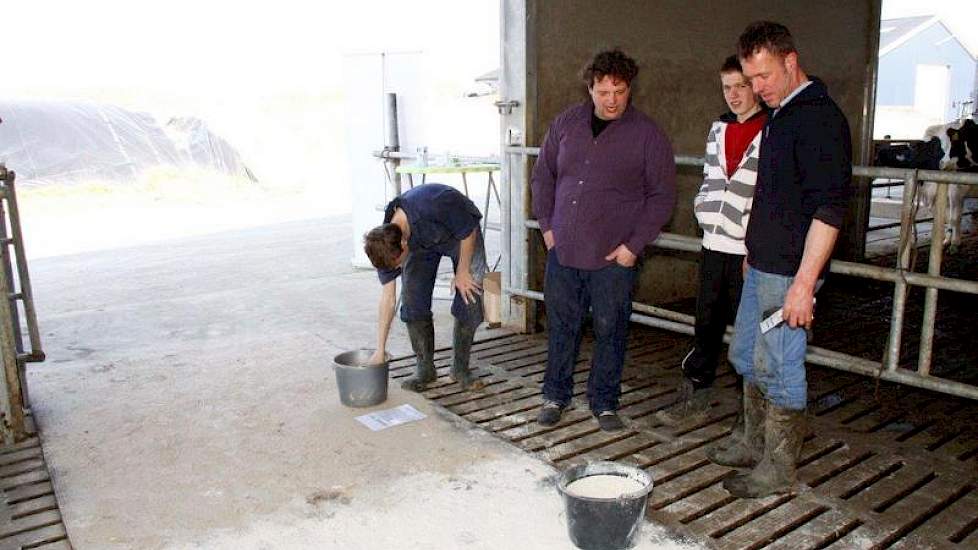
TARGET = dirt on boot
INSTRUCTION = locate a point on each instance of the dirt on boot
(776, 473)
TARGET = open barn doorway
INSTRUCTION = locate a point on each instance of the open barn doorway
(926, 79)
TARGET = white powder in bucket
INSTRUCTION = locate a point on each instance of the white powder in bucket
(603, 486)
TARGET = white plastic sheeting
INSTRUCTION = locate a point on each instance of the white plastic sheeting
(48, 142)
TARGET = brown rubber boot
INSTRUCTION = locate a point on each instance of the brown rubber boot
(462, 337)
(422, 335)
(776, 473)
(744, 449)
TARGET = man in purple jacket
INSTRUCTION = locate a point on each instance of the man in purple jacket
(603, 187)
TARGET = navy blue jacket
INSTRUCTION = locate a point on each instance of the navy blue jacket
(439, 216)
(805, 173)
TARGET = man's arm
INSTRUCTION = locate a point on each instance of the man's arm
(544, 183)
(385, 315)
(659, 189)
(464, 282)
(825, 160)
(799, 302)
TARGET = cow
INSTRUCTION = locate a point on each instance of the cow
(959, 152)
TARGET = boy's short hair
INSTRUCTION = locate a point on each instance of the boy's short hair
(383, 245)
(731, 65)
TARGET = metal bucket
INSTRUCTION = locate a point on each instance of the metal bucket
(605, 523)
(360, 385)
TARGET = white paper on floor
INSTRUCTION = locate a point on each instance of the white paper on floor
(391, 417)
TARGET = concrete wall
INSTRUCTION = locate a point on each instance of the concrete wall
(679, 46)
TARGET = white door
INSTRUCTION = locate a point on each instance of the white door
(931, 92)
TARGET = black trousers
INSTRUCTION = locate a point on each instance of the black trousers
(721, 280)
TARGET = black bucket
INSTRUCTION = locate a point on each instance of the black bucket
(606, 522)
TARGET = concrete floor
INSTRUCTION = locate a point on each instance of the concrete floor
(188, 402)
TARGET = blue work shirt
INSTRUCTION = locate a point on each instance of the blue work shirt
(439, 217)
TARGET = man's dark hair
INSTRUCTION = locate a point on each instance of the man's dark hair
(731, 65)
(383, 245)
(613, 63)
(773, 37)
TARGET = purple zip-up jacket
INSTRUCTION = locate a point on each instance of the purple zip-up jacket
(596, 193)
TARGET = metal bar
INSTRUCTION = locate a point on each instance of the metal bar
(686, 243)
(817, 356)
(392, 142)
(933, 268)
(939, 176)
(12, 426)
(30, 314)
(505, 179)
(8, 270)
(891, 357)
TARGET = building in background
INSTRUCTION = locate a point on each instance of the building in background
(926, 77)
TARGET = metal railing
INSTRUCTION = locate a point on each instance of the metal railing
(17, 288)
(888, 368)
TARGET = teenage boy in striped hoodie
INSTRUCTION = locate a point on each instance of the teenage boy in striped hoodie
(722, 209)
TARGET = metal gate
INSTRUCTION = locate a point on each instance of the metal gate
(516, 265)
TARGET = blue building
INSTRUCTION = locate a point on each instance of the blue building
(926, 77)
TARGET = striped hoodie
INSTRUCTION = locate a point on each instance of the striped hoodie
(723, 203)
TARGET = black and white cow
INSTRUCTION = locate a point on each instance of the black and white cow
(959, 152)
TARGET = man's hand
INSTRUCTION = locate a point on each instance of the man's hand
(377, 357)
(466, 285)
(799, 305)
(548, 239)
(743, 269)
(622, 256)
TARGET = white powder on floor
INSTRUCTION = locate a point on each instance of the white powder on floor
(504, 503)
(603, 486)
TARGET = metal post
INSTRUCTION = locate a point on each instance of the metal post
(8, 270)
(891, 359)
(933, 268)
(12, 426)
(392, 142)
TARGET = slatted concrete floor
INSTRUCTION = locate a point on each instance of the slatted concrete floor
(877, 474)
(29, 514)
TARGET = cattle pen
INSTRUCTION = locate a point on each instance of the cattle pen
(887, 366)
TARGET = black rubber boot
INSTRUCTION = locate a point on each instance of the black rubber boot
(690, 405)
(422, 335)
(744, 449)
(462, 337)
(776, 473)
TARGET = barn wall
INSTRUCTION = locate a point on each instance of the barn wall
(679, 46)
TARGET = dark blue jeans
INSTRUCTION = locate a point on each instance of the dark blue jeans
(568, 292)
(418, 282)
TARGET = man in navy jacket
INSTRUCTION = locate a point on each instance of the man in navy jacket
(800, 200)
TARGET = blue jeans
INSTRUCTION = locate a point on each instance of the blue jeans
(418, 279)
(568, 293)
(775, 361)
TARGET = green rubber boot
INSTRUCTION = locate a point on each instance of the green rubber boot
(462, 337)
(422, 335)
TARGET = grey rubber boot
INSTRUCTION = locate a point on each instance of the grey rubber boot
(744, 449)
(422, 335)
(776, 473)
(691, 404)
(462, 337)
